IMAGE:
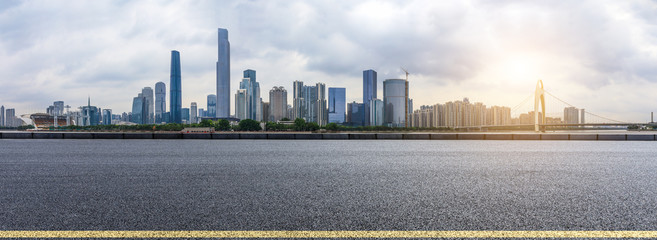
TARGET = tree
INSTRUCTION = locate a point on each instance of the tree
(299, 124)
(249, 125)
(206, 123)
(285, 119)
(332, 127)
(222, 125)
(311, 126)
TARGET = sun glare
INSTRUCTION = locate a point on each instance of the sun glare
(520, 69)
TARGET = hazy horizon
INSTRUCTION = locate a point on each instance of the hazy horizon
(598, 55)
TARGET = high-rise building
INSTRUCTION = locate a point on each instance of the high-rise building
(147, 93)
(321, 111)
(395, 101)
(298, 101)
(265, 111)
(277, 104)
(252, 87)
(185, 116)
(241, 105)
(202, 113)
(175, 86)
(369, 92)
(10, 118)
(223, 75)
(376, 112)
(336, 105)
(355, 114)
(58, 108)
(2, 116)
(581, 116)
(107, 116)
(212, 105)
(139, 110)
(160, 102)
(571, 115)
(193, 113)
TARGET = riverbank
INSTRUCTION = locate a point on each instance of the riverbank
(331, 136)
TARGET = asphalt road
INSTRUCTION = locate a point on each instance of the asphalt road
(327, 185)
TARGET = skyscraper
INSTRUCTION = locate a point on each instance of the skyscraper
(2, 116)
(212, 105)
(175, 101)
(223, 75)
(107, 116)
(321, 113)
(241, 104)
(160, 102)
(10, 118)
(336, 105)
(147, 93)
(58, 108)
(369, 93)
(376, 112)
(254, 102)
(139, 110)
(193, 113)
(297, 99)
(185, 115)
(395, 102)
(571, 115)
(277, 104)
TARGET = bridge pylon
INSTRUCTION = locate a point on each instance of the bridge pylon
(539, 96)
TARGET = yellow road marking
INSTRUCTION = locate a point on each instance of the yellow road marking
(328, 234)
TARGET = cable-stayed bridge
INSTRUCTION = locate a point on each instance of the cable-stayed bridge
(558, 115)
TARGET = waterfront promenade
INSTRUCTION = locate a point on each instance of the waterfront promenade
(615, 136)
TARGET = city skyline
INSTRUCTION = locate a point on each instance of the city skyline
(448, 59)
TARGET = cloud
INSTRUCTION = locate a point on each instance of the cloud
(491, 51)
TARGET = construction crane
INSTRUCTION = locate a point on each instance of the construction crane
(406, 122)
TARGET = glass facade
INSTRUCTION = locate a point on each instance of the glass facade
(394, 100)
(107, 116)
(160, 102)
(138, 107)
(212, 105)
(175, 101)
(223, 75)
(369, 92)
(336, 105)
(185, 115)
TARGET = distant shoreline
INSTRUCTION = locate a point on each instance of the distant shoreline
(329, 136)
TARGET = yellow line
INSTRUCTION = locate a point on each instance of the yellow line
(328, 234)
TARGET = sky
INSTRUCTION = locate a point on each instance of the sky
(598, 55)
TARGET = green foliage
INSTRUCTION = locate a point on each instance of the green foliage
(25, 127)
(272, 126)
(222, 125)
(206, 123)
(285, 119)
(249, 125)
(299, 124)
(311, 126)
(332, 126)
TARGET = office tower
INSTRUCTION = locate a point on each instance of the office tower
(395, 101)
(139, 109)
(336, 105)
(241, 104)
(369, 92)
(107, 116)
(147, 93)
(212, 105)
(254, 102)
(10, 118)
(376, 112)
(309, 95)
(2, 116)
(193, 113)
(160, 102)
(297, 100)
(202, 113)
(571, 115)
(355, 114)
(175, 86)
(290, 112)
(223, 75)
(581, 116)
(265, 111)
(321, 111)
(277, 104)
(185, 115)
(58, 108)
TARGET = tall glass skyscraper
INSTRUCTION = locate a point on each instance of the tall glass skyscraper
(193, 117)
(147, 93)
(369, 93)
(223, 75)
(175, 101)
(107, 116)
(160, 102)
(336, 105)
(139, 110)
(212, 105)
(395, 101)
